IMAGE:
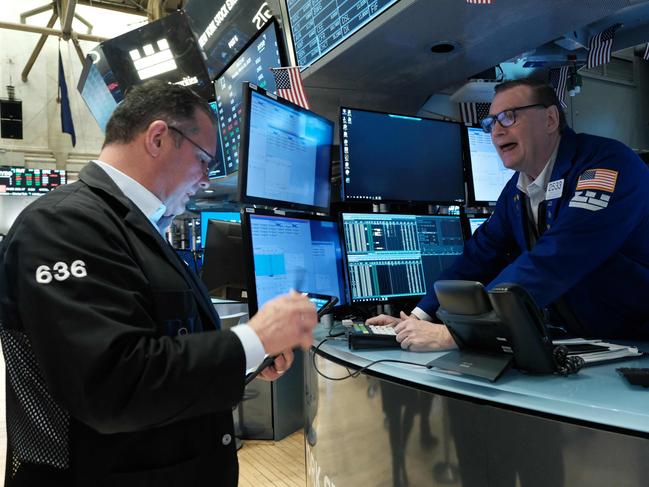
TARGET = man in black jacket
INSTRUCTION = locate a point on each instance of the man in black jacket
(117, 370)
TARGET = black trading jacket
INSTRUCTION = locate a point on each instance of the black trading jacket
(109, 381)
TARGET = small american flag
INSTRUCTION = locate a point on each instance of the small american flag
(479, 1)
(645, 56)
(289, 85)
(471, 112)
(600, 47)
(597, 179)
(559, 80)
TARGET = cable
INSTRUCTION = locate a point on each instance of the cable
(353, 375)
(565, 364)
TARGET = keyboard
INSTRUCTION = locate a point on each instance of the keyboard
(361, 336)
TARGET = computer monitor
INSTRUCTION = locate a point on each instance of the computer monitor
(96, 93)
(287, 252)
(387, 157)
(218, 171)
(226, 216)
(475, 222)
(252, 65)
(391, 257)
(285, 154)
(223, 270)
(487, 175)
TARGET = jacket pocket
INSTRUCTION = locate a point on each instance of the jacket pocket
(176, 312)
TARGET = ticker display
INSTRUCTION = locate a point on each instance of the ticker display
(21, 180)
(319, 26)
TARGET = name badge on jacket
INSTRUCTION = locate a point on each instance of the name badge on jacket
(555, 190)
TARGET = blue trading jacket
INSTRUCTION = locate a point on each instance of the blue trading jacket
(594, 251)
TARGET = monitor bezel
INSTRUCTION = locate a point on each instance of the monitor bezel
(248, 89)
(400, 299)
(464, 149)
(471, 198)
(249, 261)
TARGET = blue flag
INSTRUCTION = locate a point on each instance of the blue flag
(67, 126)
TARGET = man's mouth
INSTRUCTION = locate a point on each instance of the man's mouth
(507, 147)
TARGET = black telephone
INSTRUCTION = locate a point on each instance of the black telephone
(495, 329)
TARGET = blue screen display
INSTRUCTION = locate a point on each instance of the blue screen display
(251, 65)
(474, 223)
(289, 153)
(226, 216)
(398, 256)
(292, 253)
(488, 174)
(382, 152)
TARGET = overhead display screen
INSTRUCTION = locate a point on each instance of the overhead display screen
(318, 27)
(164, 50)
(224, 27)
(252, 65)
(22, 181)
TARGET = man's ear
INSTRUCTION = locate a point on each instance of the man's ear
(552, 119)
(154, 137)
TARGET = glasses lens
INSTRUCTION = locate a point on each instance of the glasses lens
(507, 118)
(487, 123)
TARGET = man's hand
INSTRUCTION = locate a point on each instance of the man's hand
(421, 336)
(383, 320)
(285, 322)
(282, 363)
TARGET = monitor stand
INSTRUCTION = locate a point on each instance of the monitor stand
(476, 364)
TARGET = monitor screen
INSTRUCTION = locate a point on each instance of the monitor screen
(223, 271)
(96, 94)
(253, 65)
(222, 28)
(294, 253)
(487, 175)
(474, 223)
(226, 216)
(286, 154)
(25, 181)
(219, 169)
(318, 27)
(397, 256)
(397, 158)
(164, 50)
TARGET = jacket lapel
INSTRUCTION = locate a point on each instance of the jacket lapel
(96, 178)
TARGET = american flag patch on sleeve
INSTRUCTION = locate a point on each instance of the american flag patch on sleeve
(590, 186)
(598, 180)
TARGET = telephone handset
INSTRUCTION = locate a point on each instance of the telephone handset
(504, 321)
(532, 346)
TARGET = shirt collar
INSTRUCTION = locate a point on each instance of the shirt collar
(542, 180)
(145, 200)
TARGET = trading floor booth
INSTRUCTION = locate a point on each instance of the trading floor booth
(398, 425)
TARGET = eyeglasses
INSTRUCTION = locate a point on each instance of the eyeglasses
(211, 159)
(506, 118)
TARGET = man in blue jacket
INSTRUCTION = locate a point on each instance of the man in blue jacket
(571, 226)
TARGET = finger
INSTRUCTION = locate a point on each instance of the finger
(269, 374)
(405, 344)
(399, 327)
(404, 316)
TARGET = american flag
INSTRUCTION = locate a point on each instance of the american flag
(597, 179)
(600, 47)
(289, 85)
(645, 56)
(559, 80)
(479, 1)
(471, 112)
